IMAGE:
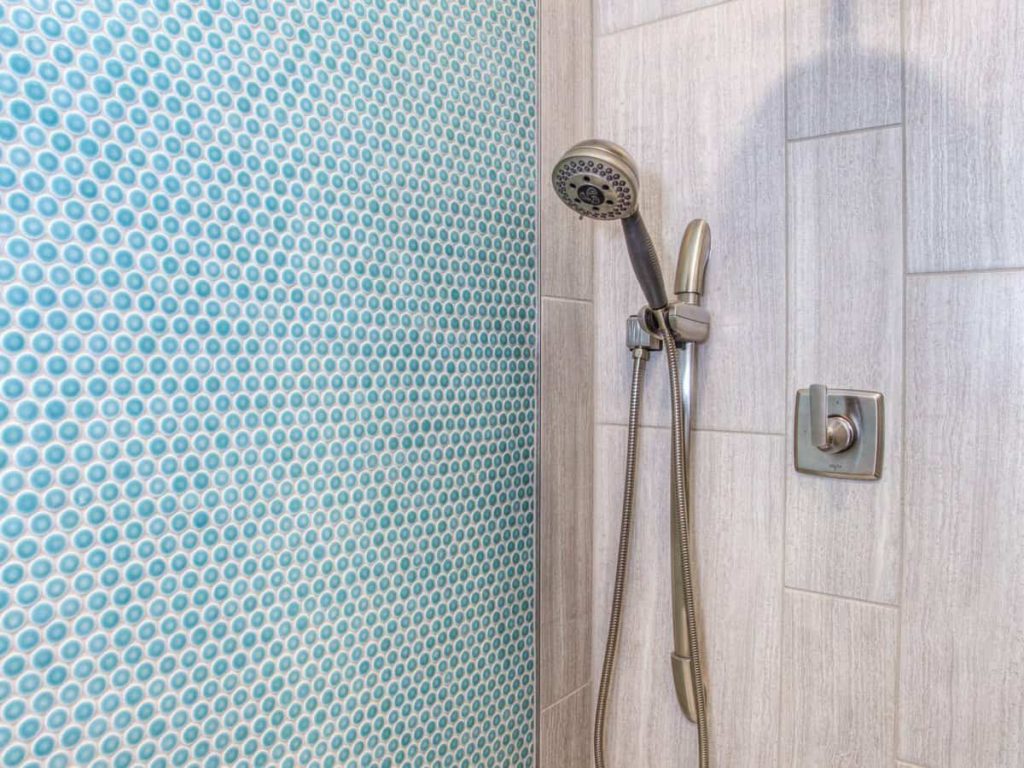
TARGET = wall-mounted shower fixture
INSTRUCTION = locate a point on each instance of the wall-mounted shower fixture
(599, 179)
(692, 262)
(839, 433)
(688, 319)
(690, 323)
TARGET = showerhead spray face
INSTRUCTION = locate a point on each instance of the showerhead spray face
(598, 179)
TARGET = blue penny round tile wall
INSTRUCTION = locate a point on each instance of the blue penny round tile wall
(267, 382)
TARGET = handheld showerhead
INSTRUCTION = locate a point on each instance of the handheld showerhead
(598, 179)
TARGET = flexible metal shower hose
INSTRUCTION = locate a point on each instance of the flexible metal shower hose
(681, 509)
(612, 644)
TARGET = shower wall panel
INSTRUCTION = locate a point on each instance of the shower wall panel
(859, 163)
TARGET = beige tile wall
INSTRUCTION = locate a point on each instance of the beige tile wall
(965, 130)
(845, 330)
(843, 65)
(565, 498)
(699, 99)
(962, 672)
(565, 732)
(738, 487)
(838, 678)
(567, 415)
(613, 15)
(861, 165)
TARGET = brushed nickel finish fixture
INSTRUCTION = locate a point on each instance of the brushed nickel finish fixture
(690, 323)
(839, 433)
(831, 434)
(599, 180)
(692, 262)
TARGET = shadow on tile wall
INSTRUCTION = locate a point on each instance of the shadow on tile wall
(700, 99)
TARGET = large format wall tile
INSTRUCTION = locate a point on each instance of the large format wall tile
(698, 100)
(564, 95)
(965, 130)
(565, 729)
(613, 15)
(843, 65)
(737, 503)
(846, 331)
(566, 475)
(962, 673)
(838, 683)
(644, 722)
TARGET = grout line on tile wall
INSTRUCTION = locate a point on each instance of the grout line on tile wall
(962, 272)
(745, 432)
(591, 129)
(781, 628)
(566, 697)
(652, 22)
(847, 598)
(903, 394)
(850, 132)
(665, 428)
(566, 298)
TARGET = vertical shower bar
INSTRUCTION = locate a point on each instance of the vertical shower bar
(682, 673)
(689, 323)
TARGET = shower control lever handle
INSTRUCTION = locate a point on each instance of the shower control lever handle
(819, 416)
(831, 434)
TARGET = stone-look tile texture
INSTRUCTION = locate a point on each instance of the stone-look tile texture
(965, 130)
(843, 65)
(564, 94)
(839, 681)
(615, 15)
(737, 508)
(737, 505)
(566, 431)
(644, 723)
(962, 676)
(698, 100)
(845, 331)
(565, 729)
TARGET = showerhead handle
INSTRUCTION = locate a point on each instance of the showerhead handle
(645, 260)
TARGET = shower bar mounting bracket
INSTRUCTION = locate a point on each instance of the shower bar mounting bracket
(690, 323)
(640, 341)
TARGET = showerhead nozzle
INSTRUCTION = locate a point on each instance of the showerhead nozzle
(597, 179)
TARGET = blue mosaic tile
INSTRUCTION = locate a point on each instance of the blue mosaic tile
(267, 385)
